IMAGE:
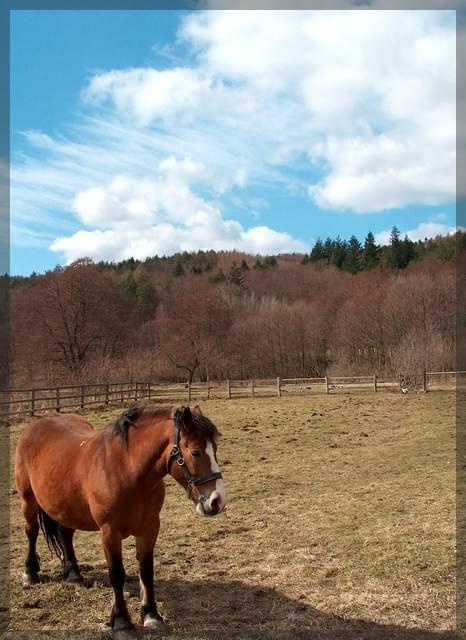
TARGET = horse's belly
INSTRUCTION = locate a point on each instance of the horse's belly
(67, 506)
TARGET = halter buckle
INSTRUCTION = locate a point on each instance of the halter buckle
(180, 461)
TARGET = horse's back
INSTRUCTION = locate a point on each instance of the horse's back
(53, 429)
(50, 437)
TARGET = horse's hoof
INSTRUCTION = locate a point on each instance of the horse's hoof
(28, 580)
(152, 621)
(124, 634)
(74, 577)
(121, 624)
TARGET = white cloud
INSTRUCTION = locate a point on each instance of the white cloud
(368, 94)
(241, 178)
(355, 109)
(150, 94)
(202, 231)
(422, 231)
(383, 172)
(142, 217)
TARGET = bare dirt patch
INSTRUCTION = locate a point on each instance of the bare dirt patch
(340, 524)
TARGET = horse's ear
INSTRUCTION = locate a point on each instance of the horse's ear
(187, 418)
(197, 409)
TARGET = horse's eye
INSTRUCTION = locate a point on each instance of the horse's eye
(196, 453)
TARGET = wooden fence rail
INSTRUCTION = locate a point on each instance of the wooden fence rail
(39, 400)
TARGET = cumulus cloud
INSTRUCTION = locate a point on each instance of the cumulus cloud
(149, 94)
(353, 110)
(368, 95)
(142, 217)
(165, 239)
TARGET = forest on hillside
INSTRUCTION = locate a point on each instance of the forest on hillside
(346, 308)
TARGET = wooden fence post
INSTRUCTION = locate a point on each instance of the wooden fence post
(327, 390)
(33, 401)
(107, 393)
(57, 394)
(252, 388)
(279, 390)
(375, 383)
(424, 381)
(228, 390)
(82, 396)
(189, 391)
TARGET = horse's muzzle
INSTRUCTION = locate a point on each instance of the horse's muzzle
(210, 506)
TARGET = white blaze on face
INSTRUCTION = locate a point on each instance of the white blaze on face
(219, 492)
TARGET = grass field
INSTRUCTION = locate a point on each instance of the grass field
(340, 524)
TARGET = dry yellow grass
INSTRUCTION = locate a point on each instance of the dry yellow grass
(340, 524)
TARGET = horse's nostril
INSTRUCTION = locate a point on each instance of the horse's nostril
(215, 506)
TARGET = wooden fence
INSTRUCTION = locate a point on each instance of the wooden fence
(36, 401)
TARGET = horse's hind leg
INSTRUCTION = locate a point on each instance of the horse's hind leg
(30, 510)
(71, 571)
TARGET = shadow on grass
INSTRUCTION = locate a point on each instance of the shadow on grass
(213, 609)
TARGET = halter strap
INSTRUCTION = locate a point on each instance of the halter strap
(176, 454)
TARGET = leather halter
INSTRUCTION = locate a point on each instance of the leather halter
(191, 480)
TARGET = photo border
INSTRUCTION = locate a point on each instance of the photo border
(116, 5)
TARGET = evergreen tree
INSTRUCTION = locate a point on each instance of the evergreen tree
(270, 261)
(236, 276)
(218, 277)
(244, 265)
(317, 252)
(352, 261)
(407, 252)
(396, 249)
(130, 284)
(146, 299)
(328, 249)
(178, 269)
(338, 252)
(370, 253)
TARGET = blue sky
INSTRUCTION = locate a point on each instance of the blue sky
(136, 133)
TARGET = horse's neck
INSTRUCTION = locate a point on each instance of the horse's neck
(147, 446)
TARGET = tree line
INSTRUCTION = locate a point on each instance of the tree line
(207, 315)
(353, 256)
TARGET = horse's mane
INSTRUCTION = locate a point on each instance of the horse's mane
(200, 424)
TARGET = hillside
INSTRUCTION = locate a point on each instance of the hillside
(229, 314)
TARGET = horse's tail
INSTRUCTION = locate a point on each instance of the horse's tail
(51, 533)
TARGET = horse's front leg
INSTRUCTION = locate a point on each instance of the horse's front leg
(145, 556)
(111, 543)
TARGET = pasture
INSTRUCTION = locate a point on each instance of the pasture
(340, 524)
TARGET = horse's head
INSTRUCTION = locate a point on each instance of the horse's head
(193, 461)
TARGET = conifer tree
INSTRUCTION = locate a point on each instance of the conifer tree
(236, 276)
(146, 299)
(178, 270)
(370, 253)
(317, 252)
(352, 260)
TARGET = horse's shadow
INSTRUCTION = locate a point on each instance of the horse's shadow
(238, 611)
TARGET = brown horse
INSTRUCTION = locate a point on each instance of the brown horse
(71, 477)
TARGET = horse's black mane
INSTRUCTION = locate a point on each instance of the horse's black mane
(127, 418)
(200, 424)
